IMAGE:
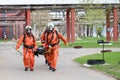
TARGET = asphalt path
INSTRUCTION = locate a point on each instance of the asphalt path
(11, 65)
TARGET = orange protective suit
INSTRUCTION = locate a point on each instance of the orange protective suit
(28, 54)
(52, 39)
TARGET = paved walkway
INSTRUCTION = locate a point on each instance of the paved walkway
(11, 66)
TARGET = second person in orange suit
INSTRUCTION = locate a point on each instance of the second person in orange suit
(50, 39)
(29, 46)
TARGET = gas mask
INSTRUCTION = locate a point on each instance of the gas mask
(28, 31)
(50, 27)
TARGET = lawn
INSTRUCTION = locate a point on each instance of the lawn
(111, 66)
(112, 59)
(2, 40)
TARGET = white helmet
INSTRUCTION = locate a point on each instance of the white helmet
(28, 27)
(50, 27)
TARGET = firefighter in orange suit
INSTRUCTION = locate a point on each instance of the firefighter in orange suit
(50, 39)
(29, 46)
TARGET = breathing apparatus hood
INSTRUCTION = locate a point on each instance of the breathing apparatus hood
(50, 27)
(28, 29)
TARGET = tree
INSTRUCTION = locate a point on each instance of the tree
(94, 15)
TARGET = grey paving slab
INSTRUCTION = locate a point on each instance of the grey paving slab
(11, 66)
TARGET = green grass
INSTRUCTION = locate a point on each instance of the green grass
(111, 58)
(2, 40)
(90, 42)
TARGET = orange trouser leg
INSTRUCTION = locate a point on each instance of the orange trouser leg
(54, 58)
(31, 56)
(46, 56)
(28, 59)
(25, 57)
(49, 59)
(26, 62)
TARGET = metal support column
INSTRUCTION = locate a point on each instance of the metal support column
(4, 25)
(28, 22)
(72, 25)
(14, 32)
(68, 24)
(115, 24)
(108, 37)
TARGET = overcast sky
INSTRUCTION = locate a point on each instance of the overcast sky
(19, 2)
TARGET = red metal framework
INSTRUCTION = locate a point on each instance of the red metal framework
(19, 15)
